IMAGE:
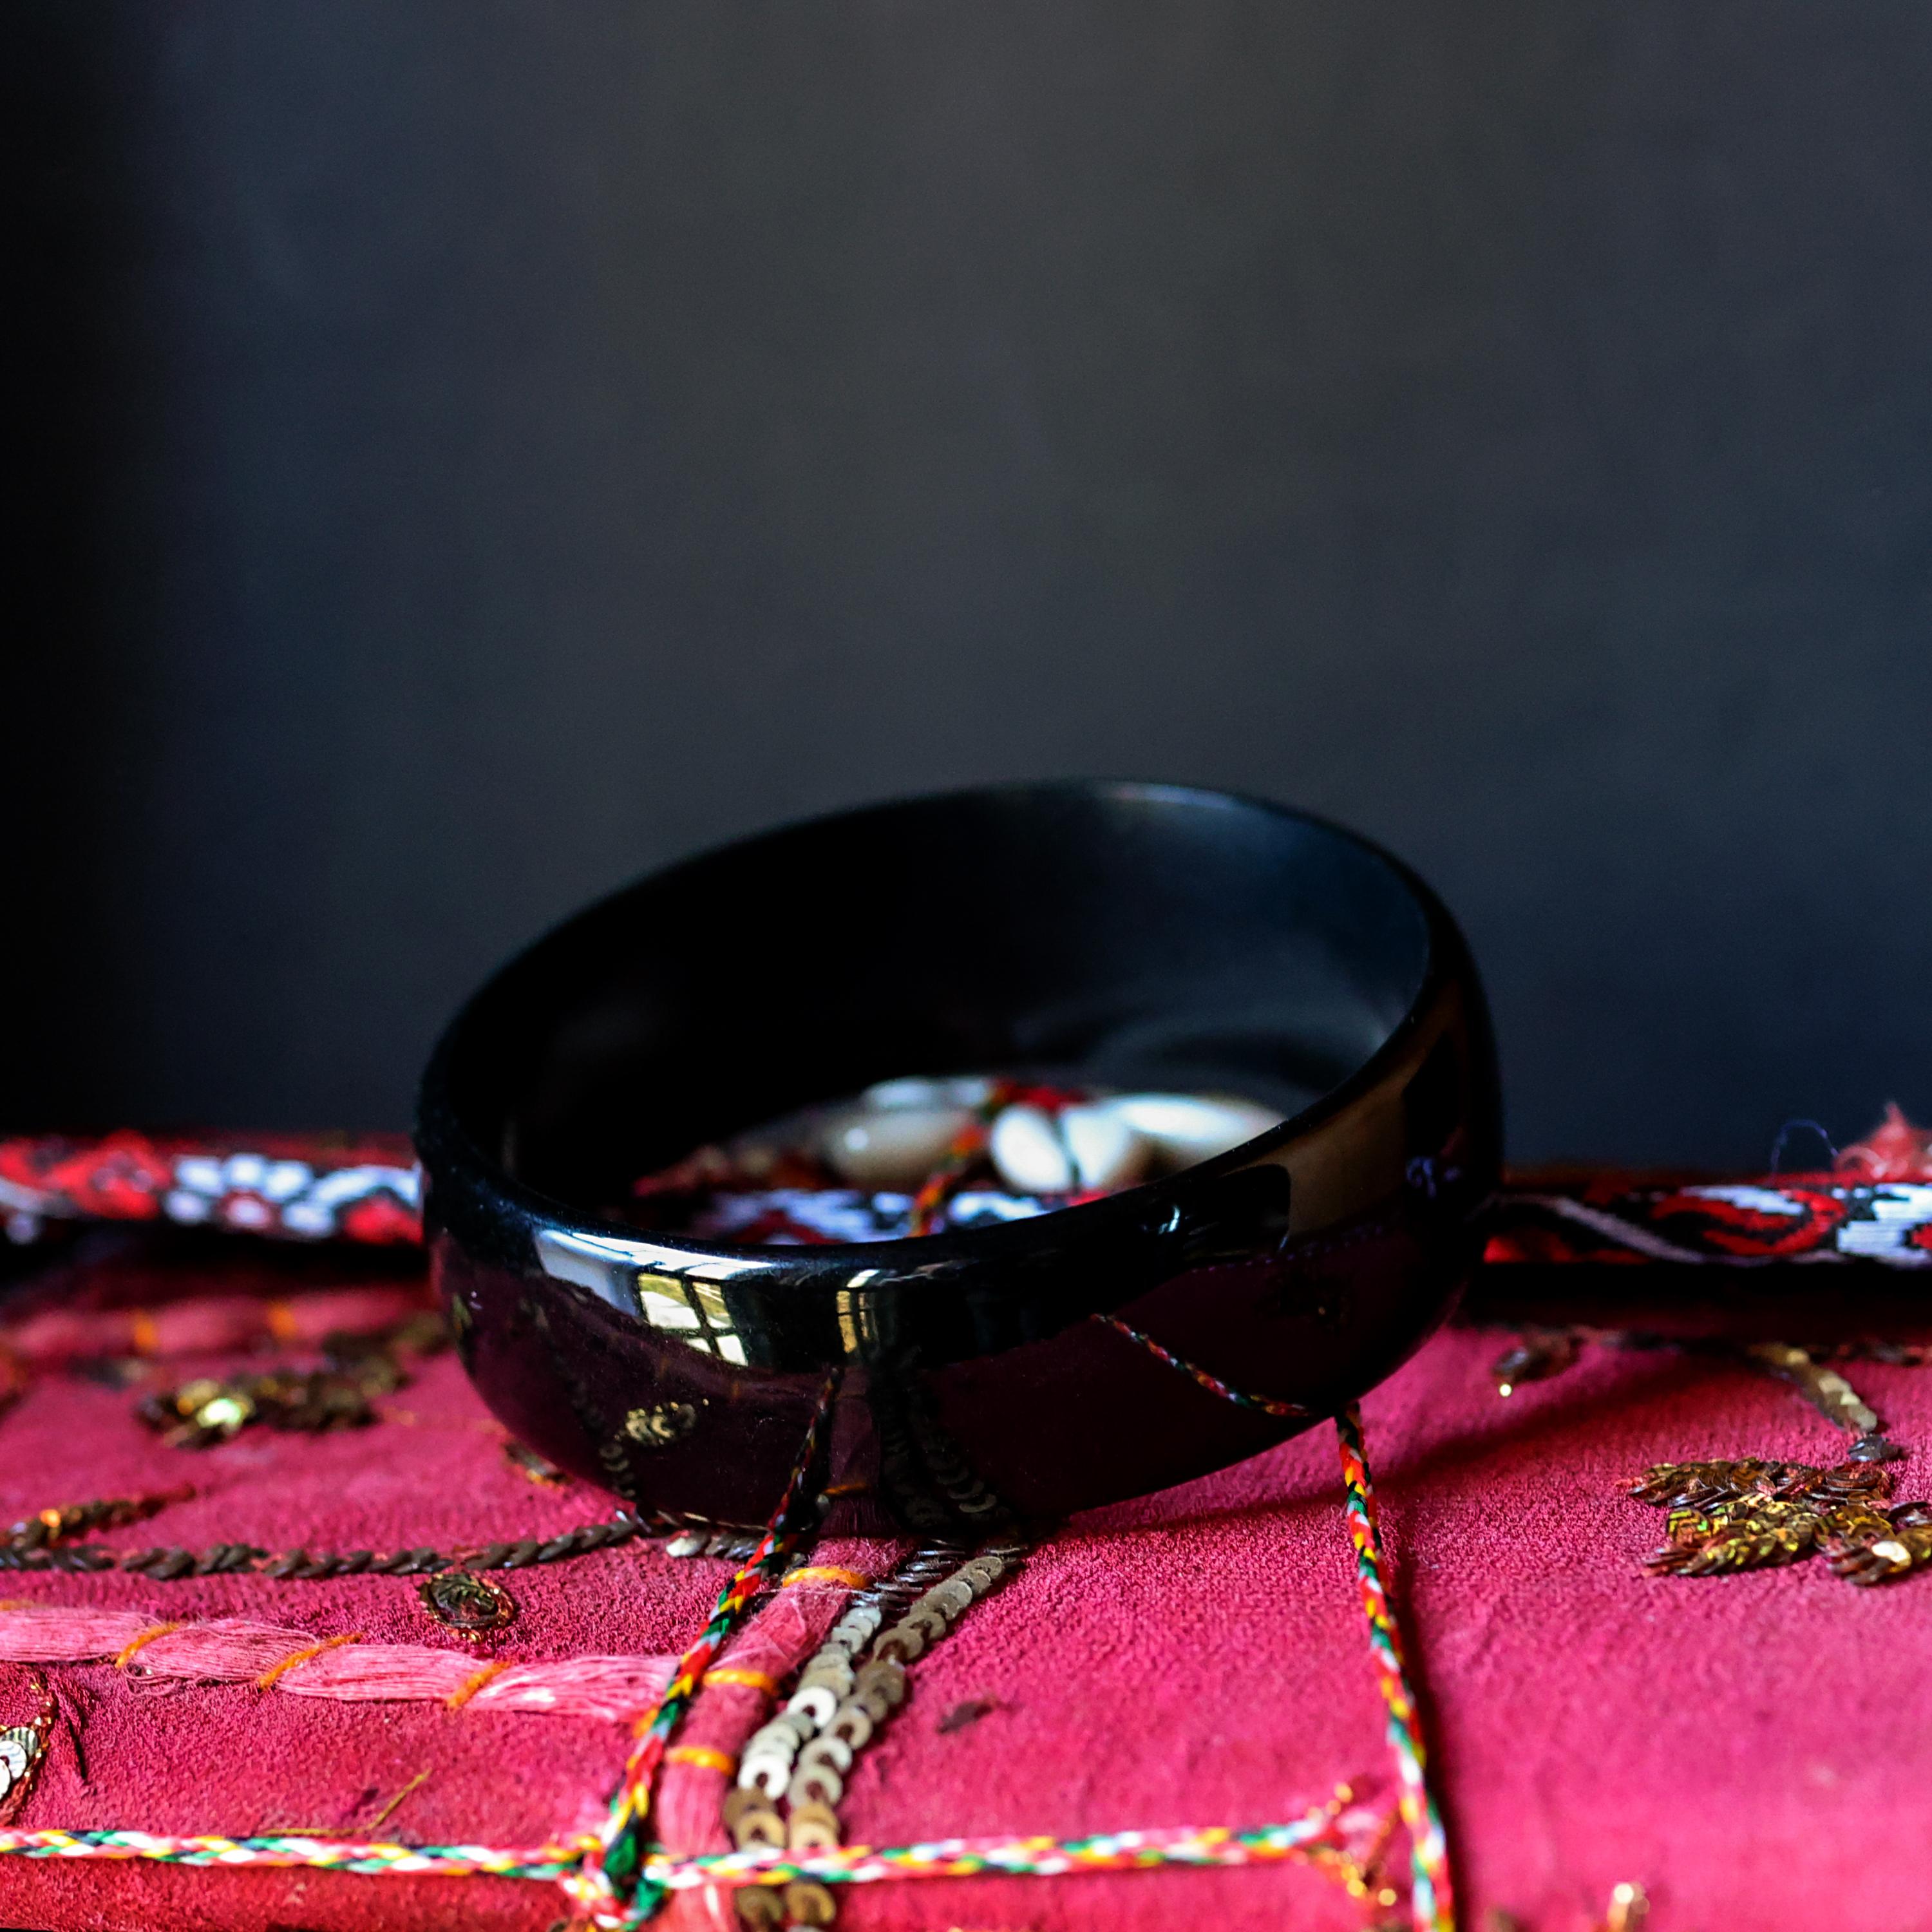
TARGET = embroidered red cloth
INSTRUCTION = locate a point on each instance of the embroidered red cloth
(1747, 1748)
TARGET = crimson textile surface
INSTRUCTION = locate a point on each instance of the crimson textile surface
(1750, 1749)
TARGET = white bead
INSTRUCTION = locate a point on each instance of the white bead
(893, 1147)
(766, 1771)
(1182, 1128)
(1029, 1152)
(1107, 1151)
(815, 1701)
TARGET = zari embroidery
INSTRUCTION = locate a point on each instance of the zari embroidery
(1751, 1512)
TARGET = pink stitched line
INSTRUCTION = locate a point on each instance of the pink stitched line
(230, 1650)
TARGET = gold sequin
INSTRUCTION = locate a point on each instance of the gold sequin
(809, 1903)
(813, 1828)
(853, 1722)
(752, 1820)
(761, 1907)
(1751, 1512)
(949, 1598)
(815, 1784)
(473, 1607)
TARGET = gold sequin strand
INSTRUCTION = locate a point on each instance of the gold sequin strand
(66, 1523)
(203, 1411)
(1754, 1512)
(23, 1750)
(1830, 1394)
(803, 1757)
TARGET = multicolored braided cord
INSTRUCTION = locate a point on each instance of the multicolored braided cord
(544, 1861)
(610, 1871)
(1030, 1858)
(851, 1864)
(1267, 1405)
(1431, 1897)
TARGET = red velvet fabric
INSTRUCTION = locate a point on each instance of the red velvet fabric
(1751, 1749)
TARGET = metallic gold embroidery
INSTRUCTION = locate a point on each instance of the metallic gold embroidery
(66, 1523)
(1830, 1394)
(1539, 1352)
(657, 1427)
(1753, 1512)
(472, 1605)
(205, 1411)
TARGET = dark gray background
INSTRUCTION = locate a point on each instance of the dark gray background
(470, 452)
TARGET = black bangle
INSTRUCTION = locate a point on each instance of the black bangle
(1130, 935)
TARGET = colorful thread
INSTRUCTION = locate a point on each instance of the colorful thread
(1267, 1405)
(849, 1864)
(1431, 1897)
(549, 1861)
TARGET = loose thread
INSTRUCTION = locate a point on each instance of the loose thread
(420, 1778)
(1431, 1897)
(962, 1155)
(614, 1858)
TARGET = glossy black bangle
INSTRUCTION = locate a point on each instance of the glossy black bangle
(1140, 936)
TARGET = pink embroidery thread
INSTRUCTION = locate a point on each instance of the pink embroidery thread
(231, 1651)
